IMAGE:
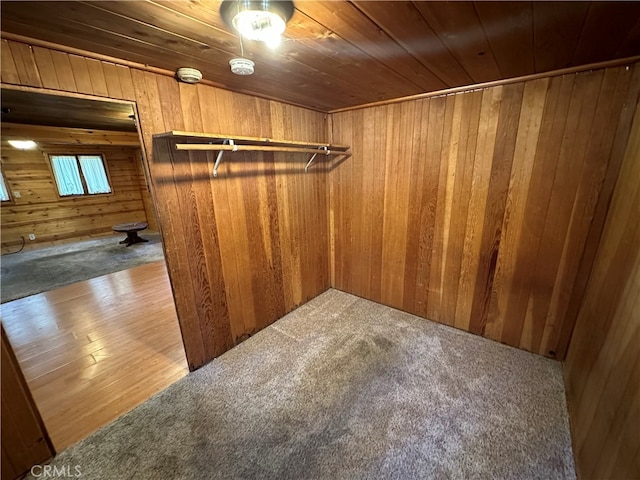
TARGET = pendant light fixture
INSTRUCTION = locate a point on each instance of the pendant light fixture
(264, 20)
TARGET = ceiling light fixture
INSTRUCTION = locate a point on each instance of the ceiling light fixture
(23, 144)
(264, 20)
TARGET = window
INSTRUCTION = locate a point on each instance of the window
(4, 192)
(80, 174)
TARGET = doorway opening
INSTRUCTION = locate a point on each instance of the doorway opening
(91, 320)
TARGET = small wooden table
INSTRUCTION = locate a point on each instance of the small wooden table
(131, 229)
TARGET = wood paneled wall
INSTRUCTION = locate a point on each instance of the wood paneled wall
(24, 439)
(482, 210)
(145, 191)
(602, 370)
(270, 228)
(249, 246)
(54, 219)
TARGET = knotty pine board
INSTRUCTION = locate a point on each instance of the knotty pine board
(53, 219)
(71, 136)
(482, 210)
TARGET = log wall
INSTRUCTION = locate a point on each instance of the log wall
(54, 219)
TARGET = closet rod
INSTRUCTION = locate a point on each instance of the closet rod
(255, 148)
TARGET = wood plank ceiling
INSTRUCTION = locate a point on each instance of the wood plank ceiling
(35, 108)
(338, 54)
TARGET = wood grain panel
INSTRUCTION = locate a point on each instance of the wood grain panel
(411, 31)
(25, 441)
(479, 177)
(497, 188)
(233, 272)
(145, 191)
(371, 42)
(600, 21)
(196, 229)
(25, 63)
(9, 69)
(509, 30)
(506, 188)
(81, 74)
(217, 43)
(52, 219)
(269, 217)
(602, 370)
(557, 30)
(404, 47)
(448, 20)
(46, 68)
(614, 113)
(71, 136)
(176, 257)
(515, 233)
(64, 74)
(476, 172)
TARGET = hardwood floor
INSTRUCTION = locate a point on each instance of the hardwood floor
(93, 350)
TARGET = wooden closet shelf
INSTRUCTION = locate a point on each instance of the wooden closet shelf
(216, 138)
(191, 141)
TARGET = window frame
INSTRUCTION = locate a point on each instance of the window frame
(10, 201)
(62, 152)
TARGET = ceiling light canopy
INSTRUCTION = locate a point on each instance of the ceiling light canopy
(264, 20)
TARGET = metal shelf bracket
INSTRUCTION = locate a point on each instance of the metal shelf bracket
(306, 168)
(226, 143)
(219, 157)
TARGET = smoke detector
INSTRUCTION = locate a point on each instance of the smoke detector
(189, 75)
(242, 66)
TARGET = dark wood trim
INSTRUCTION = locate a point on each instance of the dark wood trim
(64, 93)
(25, 440)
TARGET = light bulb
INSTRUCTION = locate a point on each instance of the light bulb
(259, 25)
(273, 42)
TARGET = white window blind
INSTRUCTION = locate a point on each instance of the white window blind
(94, 174)
(80, 174)
(65, 169)
(4, 193)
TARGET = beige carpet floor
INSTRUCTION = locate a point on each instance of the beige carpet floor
(344, 388)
